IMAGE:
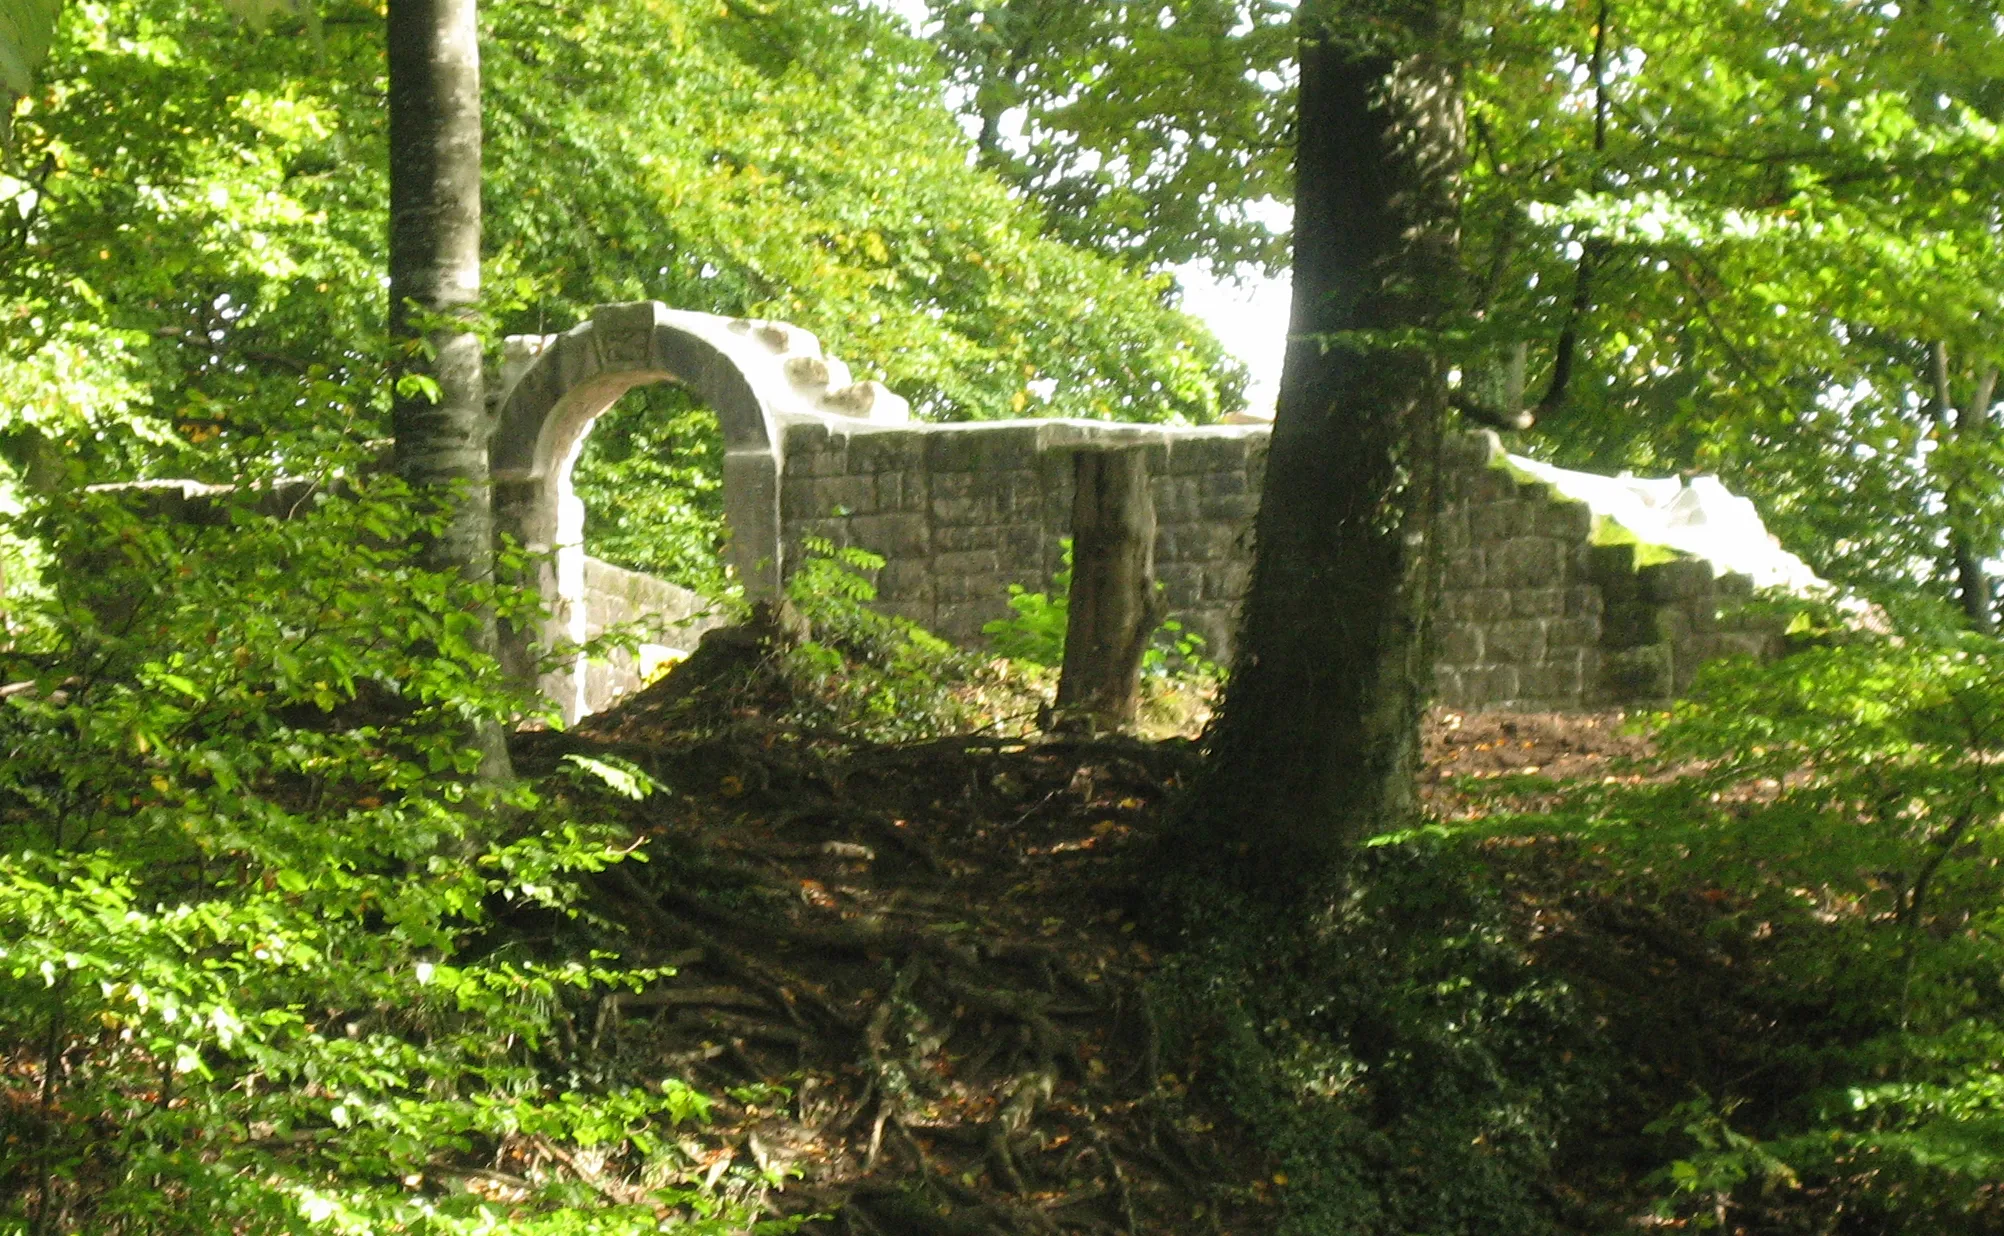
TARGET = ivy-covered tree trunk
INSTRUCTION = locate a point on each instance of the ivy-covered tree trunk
(440, 415)
(1318, 741)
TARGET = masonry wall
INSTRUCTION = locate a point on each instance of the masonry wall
(1532, 615)
(671, 619)
(960, 512)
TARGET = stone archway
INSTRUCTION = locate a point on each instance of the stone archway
(753, 374)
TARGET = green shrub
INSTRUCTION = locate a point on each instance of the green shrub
(254, 973)
(1037, 632)
(878, 677)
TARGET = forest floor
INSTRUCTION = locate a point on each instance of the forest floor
(916, 978)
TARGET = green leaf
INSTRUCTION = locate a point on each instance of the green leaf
(621, 777)
(27, 28)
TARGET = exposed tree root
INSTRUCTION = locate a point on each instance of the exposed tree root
(928, 947)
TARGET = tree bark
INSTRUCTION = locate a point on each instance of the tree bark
(1317, 744)
(1112, 611)
(439, 413)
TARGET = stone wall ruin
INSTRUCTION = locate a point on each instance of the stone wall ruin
(1533, 614)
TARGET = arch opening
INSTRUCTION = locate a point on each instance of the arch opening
(751, 374)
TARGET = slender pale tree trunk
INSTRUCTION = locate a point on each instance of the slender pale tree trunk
(1317, 745)
(440, 415)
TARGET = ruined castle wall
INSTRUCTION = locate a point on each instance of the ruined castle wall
(1532, 615)
(961, 512)
(670, 619)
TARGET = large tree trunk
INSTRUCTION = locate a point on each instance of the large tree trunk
(440, 416)
(1112, 610)
(1317, 745)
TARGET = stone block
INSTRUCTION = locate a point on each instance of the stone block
(1211, 543)
(1019, 495)
(1612, 567)
(1022, 547)
(1564, 520)
(963, 563)
(1554, 684)
(1516, 642)
(920, 612)
(1626, 624)
(1176, 498)
(1197, 456)
(1637, 674)
(1527, 562)
(823, 496)
(877, 453)
(1229, 508)
(1538, 602)
(1671, 624)
(982, 448)
(1571, 633)
(1504, 520)
(961, 621)
(1447, 688)
(1465, 569)
(1182, 584)
(896, 537)
(961, 512)
(962, 538)
(804, 438)
(904, 583)
(1583, 601)
(1451, 530)
(1489, 685)
(1225, 583)
(902, 491)
(1733, 586)
(1222, 484)
(799, 531)
(1459, 643)
(1482, 605)
(1760, 645)
(1676, 580)
(1488, 485)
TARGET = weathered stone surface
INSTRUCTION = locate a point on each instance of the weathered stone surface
(1552, 681)
(1517, 642)
(1528, 562)
(1459, 644)
(1572, 633)
(1562, 520)
(898, 538)
(1676, 580)
(1529, 610)
(1467, 569)
(963, 563)
(1535, 602)
(905, 582)
(1639, 674)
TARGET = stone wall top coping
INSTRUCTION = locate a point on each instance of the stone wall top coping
(1058, 429)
